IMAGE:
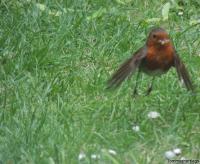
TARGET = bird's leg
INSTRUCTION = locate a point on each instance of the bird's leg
(150, 86)
(136, 84)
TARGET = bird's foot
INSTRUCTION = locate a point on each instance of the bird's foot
(148, 91)
(135, 93)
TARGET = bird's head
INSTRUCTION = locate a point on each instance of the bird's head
(158, 37)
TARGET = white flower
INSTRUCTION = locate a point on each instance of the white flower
(112, 152)
(177, 151)
(183, 158)
(180, 13)
(81, 156)
(136, 128)
(170, 154)
(95, 156)
(153, 114)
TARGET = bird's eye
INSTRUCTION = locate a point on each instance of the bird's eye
(154, 36)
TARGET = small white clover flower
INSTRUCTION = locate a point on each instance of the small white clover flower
(180, 13)
(153, 114)
(169, 154)
(112, 152)
(95, 156)
(177, 151)
(136, 128)
(182, 158)
(81, 156)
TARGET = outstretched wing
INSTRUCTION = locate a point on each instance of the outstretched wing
(182, 72)
(127, 68)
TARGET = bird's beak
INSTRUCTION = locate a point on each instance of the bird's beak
(164, 41)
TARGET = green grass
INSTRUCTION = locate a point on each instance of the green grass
(53, 74)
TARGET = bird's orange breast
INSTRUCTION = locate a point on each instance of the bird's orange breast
(158, 60)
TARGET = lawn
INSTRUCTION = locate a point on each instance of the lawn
(55, 60)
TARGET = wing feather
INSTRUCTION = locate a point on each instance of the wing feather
(127, 68)
(183, 73)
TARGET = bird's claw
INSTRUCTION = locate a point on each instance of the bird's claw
(135, 93)
(148, 91)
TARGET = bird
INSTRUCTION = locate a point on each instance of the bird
(155, 58)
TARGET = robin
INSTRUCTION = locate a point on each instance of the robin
(155, 58)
